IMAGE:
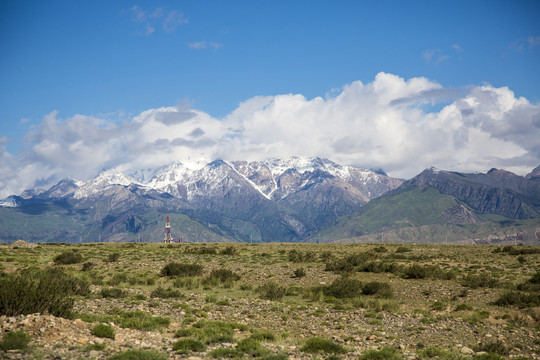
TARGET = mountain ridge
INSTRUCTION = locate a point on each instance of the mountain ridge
(273, 200)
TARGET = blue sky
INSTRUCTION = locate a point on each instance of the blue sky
(113, 60)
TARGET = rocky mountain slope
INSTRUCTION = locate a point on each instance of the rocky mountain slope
(437, 205)
(275, 200)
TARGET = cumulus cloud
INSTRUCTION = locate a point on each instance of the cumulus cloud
(382, 124)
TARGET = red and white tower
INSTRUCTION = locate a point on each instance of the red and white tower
(168, 238)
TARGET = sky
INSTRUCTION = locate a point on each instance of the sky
(391, 85)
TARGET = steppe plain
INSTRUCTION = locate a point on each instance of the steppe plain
(271, 301)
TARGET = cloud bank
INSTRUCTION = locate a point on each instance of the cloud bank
(401, 126)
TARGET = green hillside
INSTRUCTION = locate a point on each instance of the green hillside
(424, 215)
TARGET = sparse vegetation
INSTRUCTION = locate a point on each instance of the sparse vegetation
(68, 258)
(320, 345)
(271, 291)
(358, 296)
(40, 291)
(104, 331)
(15, 340)
(175, 269)
(139, 355)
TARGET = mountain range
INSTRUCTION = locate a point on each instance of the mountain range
(277, 200)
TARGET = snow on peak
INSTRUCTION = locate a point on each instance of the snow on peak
(103, 180)
(169, 174)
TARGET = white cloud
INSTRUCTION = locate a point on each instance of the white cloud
(168, 20)
(528, 43)
(204, 45)
(434, 56)
(386, 124)
(457, 48)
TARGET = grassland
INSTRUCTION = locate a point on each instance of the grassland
(273, 301)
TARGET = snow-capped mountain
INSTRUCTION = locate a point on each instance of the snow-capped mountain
(101, 182)
(273, 200)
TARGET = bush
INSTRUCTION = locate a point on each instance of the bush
(201, 250)
(224, 275)
(517, 298)
(174, 269)
(495, 347)
(113, 257)
(229, 250)
(380, 249)
(377, 288)
(113, 293)
(15, 340)
(68, 257)
(320, 345)
(139, 355)
(103, 331)
(403, 249)
(462, 307)
(300, 272)
(344, 287)
(187, 345)
(438, 306)
(482, 280)
(44, 291)
(87, 266)
(296, 256)
(163, 293)
(271, 291)
(211, 332)
(386, 353)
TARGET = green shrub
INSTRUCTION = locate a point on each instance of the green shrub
(403, 249)
(163, 293)
(344, 287)
(487, 356)
(320, 345)
(300, 272)
(296, 256)
(117, 279)
(482, 280)
(68, 257)
(377, 288)
(187, 345)
(230, 250)
(380, 249)
(87, 266)
(494, 347)
(271, 291)
(518, 298)
(386, 353)
(438, 306)
(535, 279)
(113, 257)
(15, 340)
(263, 336)
(220, 353)
(114, 293)
(103, 331)
(202, 250)
(462, 307)
(44, 291)
(427, 271)
(95, 347)
(211, 332)
(224, 275)
(251, 347)
(175, 269)
(139, 355)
